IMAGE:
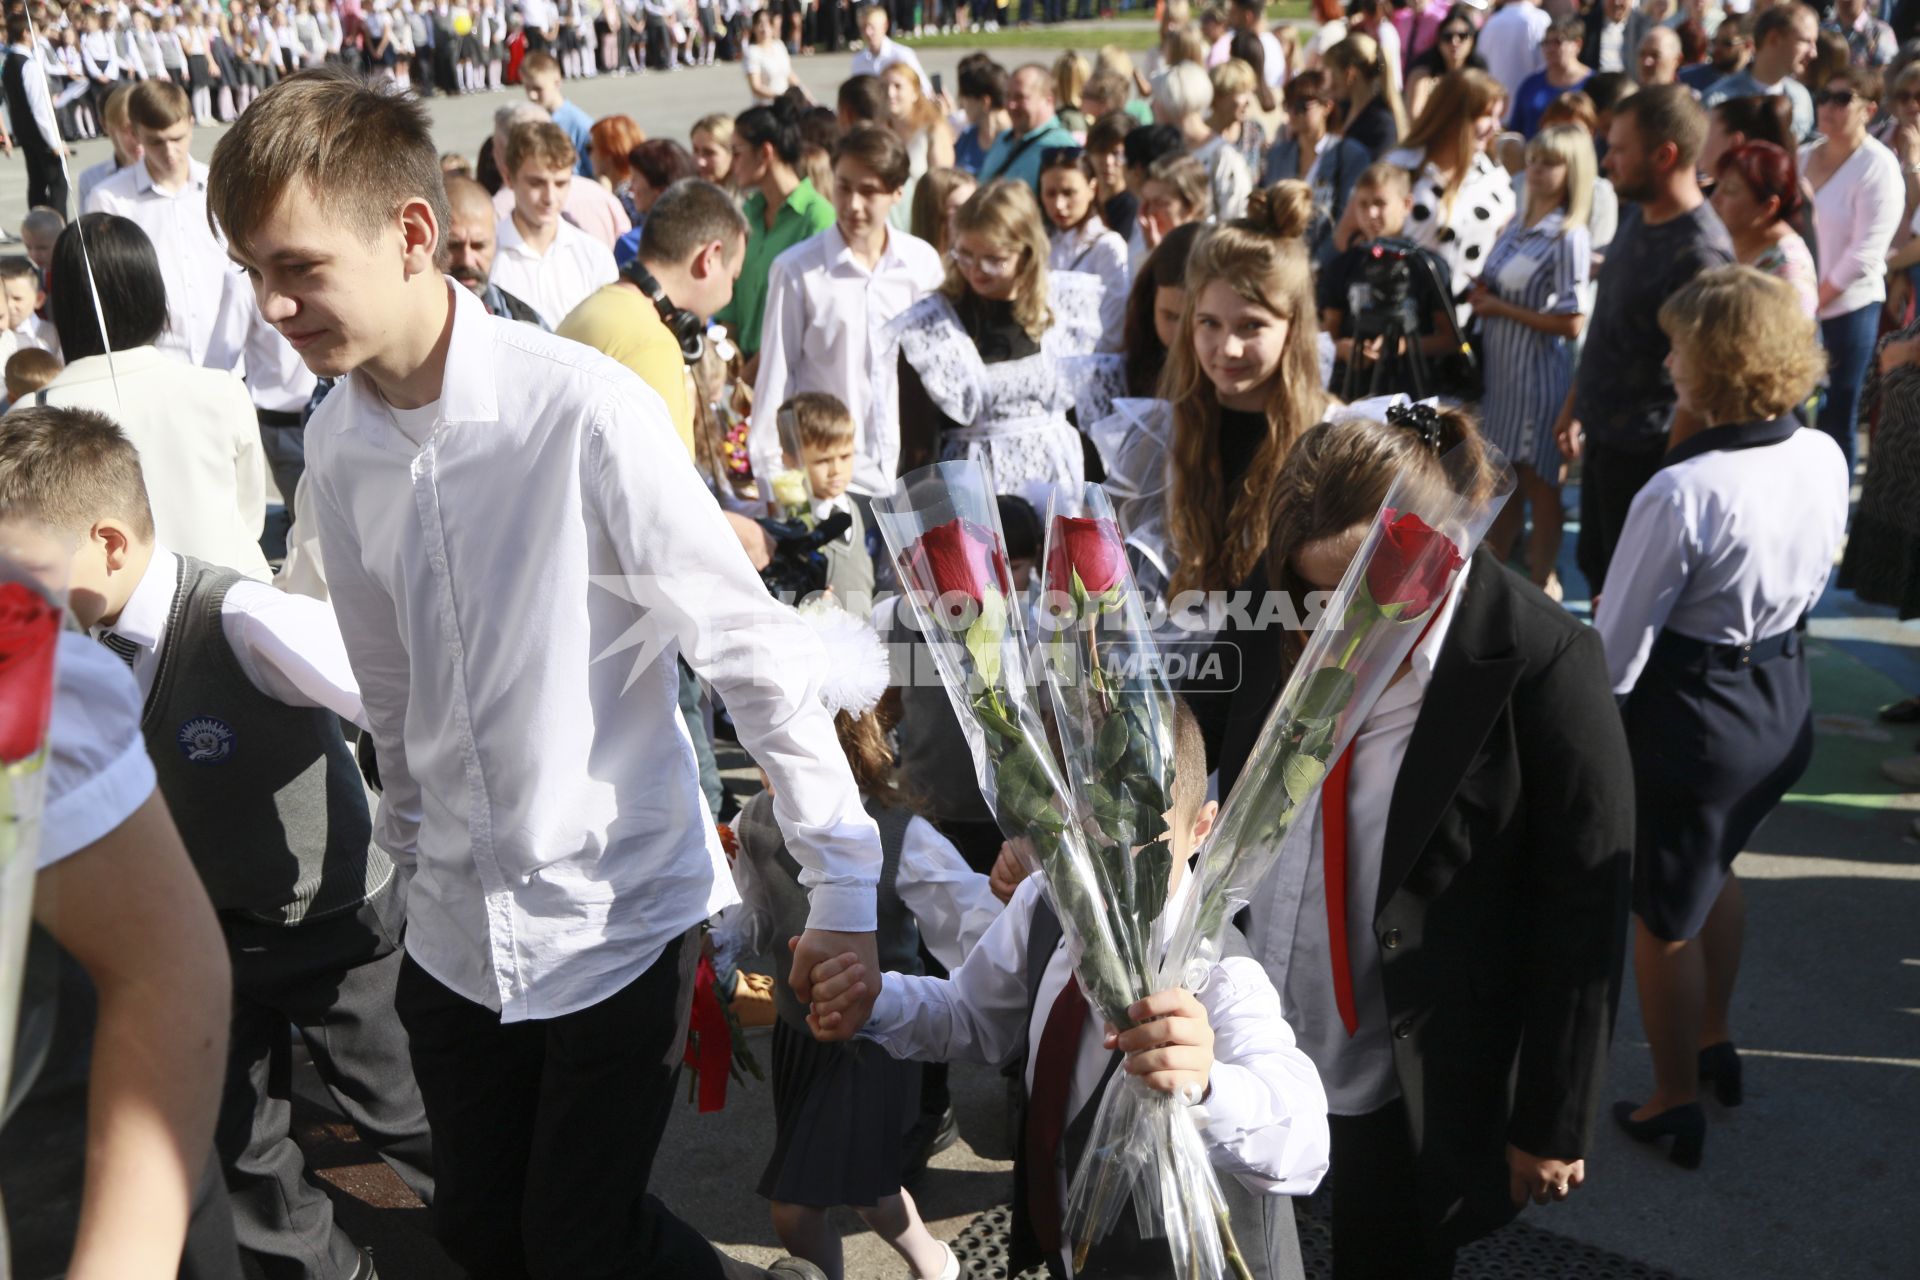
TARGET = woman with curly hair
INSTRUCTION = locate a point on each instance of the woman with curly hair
(1724, 552)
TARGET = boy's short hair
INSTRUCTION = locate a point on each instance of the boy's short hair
(1382, 176)
(866, 11)
(1148, 144)
(67, 468)
(543, 141)
(157, 104)
(865, 99)
(539, 63)
(362, 151)
(1020, 524)
(1109, 87)
(879, 150)
(1189, 765)
(30, 369)
(42, 220)
(690, 213)
(1668, 113)
(16, 267)
(813, 420)
(1109, 131)
(986, 79)
(116, 108)
(1572, 29)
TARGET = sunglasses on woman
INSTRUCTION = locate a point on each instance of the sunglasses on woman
(1456, 36)
(1835, 97)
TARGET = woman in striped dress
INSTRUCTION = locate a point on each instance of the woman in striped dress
(1530, 300)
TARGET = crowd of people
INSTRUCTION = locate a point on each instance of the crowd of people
(563, 429)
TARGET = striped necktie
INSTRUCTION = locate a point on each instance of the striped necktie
(120, 645)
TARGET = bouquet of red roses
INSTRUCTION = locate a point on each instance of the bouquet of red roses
(32, 578)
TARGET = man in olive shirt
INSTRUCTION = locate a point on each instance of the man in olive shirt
(693, 246)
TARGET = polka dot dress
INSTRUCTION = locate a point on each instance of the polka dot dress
(1464, 238)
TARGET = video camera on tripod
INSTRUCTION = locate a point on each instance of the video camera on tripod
(1395, 275)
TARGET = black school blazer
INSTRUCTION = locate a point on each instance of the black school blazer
(1504, 890)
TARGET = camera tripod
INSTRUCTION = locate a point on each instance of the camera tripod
(1397, 324)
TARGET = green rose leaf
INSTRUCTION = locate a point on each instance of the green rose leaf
(1111, 746)
(1327, 691)
(1300, 775)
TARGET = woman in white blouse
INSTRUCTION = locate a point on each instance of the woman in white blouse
(1462, 200)
(1858, 197)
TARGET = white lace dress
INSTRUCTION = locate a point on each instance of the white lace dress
(1011, 415)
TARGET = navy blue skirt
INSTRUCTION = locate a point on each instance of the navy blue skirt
(841, 1112)
(1717, 738)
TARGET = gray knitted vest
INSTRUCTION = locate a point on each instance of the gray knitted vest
(267, 798)
(898, 933)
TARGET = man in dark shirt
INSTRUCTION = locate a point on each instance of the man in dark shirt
(1622, 403)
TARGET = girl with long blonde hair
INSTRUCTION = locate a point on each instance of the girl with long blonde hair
(1243, 377)
(1364, 86)
(922, 126)
(981, 364)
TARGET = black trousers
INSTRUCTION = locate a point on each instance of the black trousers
(545, 1131)
(46, 181)
(1609, 479)
(660, 51)
(1376, 1225)
(334, 981)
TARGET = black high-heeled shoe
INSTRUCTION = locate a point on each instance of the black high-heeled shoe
(1720, 1064)
(1686, 1124)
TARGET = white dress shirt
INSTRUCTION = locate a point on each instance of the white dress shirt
(93, 175)
(288, 646)
(1727, 546)
(868, 63)
(199, 444)
(555, 282)
(1855, 213)
(1096, 251)
(1265, 1116)
(206, 294)
(514, 592)
(824, 319)
(98, 772)
(952, 903)
(1510, 43)
(33, 77)
(1288, 914)
(590, 207)
(304, 570)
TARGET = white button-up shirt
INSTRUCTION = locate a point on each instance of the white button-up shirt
(98, 772)
(277, 378)
(555, 282)
(868, 63)
(824, 319)
(207, 297)
(1266, 1115)
(514, 592)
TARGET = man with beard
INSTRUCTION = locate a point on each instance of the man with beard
(470, 247)
(1622, 403)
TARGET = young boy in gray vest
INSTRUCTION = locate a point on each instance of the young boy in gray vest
(1265, 1121)
(244, 689)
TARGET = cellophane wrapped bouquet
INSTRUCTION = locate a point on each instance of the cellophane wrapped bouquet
(33, 572)
(1092, 811)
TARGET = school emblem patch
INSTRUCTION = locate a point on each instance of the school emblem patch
(205, 740)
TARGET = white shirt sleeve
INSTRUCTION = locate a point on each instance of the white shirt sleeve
(98, 772)
(979, 1013)
(290, 648)
(685, 567)
(1266, 1112)
(783, 324)
(381, 668)
(1644, 580)
(953, 903)
(304, 571)
(1874, 207)
(33, 77)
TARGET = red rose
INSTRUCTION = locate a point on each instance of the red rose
(29, 635)
(1090, 548)
(958, 558)
(1413, 565)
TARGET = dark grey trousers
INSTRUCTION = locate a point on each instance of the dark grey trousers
(333, 981)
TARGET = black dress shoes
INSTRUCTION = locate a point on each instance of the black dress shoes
(1686, 1125)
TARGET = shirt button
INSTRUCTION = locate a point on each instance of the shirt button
(438, 561)
(453, 648)
(1404, 1030)
(1390, 939)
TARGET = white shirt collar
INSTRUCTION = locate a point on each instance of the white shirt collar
(196, 181)
(462, 399)
(508, 237)
(143, 620)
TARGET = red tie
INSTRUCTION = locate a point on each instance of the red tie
(1047, 1110)
(1333, 820)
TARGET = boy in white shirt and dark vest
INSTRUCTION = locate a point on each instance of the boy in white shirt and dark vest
(244, 688)
(517, 551)
(1266, 1114)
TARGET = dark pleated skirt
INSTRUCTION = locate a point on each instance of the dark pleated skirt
(841, 1113)
(1714, 750)
(1882, 563)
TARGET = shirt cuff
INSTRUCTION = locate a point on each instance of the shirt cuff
(889, 1012)
(1229, 1096)
(845, 907)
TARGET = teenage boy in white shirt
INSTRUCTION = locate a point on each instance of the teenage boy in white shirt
(877, 51)
(517, 551)
(543, 259)
(166, 193)
(829, 299)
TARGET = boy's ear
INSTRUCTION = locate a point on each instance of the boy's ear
(1203, 820)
